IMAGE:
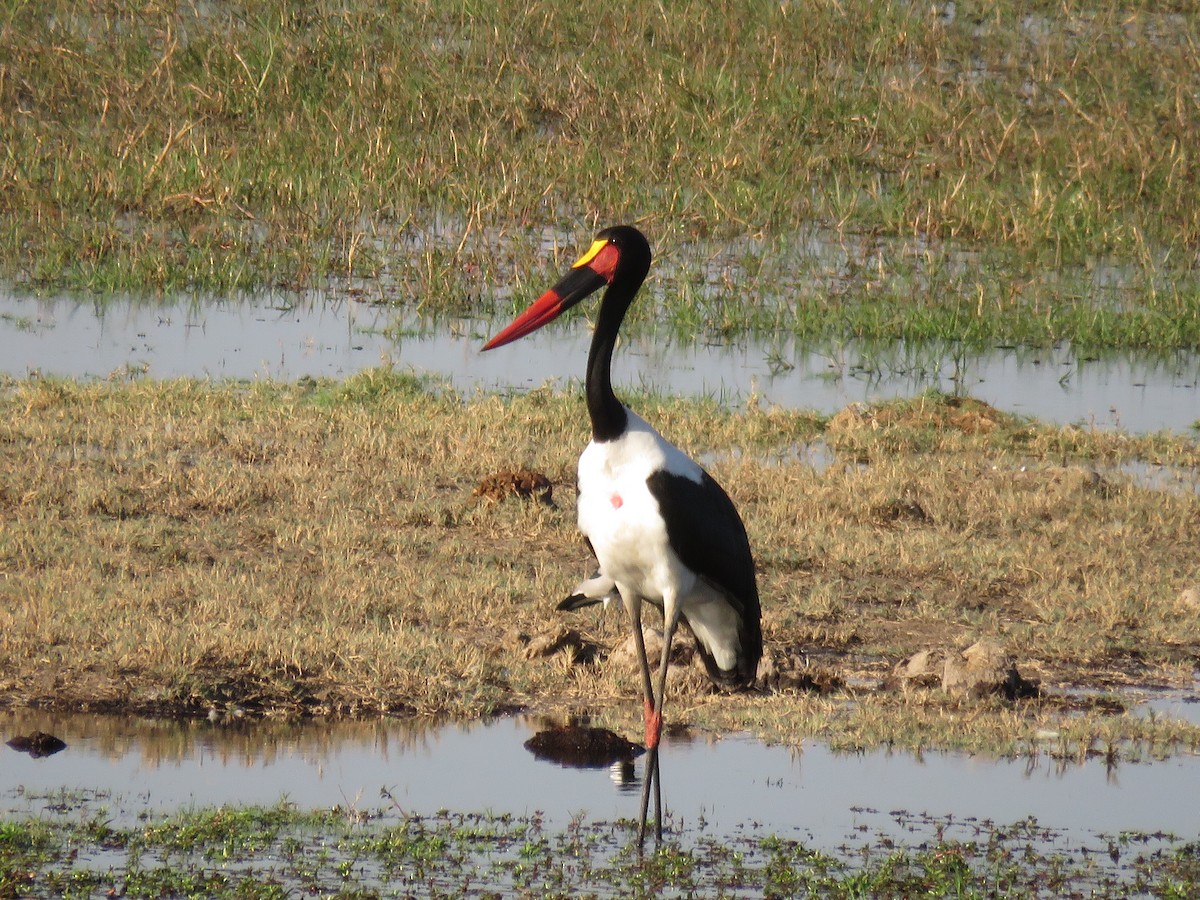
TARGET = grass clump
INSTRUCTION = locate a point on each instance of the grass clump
(318, 548)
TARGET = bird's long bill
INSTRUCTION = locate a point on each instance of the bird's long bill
(592, 271)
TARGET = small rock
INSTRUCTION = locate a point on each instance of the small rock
(923, 669)
(626, 652)
(1190, 597)
(1073, 480)
(788, 668)
(556, 640)
(685, 677)
(985, 668)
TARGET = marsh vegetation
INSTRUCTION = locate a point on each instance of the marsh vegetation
(987, 173)
(281, 851)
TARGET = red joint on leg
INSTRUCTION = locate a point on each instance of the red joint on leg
(653, 726)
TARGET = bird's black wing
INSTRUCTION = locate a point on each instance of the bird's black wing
(707, 534)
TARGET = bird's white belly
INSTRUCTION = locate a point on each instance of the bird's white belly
(623, 521)
(629, 539)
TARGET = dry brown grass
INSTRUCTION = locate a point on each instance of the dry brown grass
(317, 549)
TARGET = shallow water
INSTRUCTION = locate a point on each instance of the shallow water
(731, 785)
(282, 338)
(1183, 705)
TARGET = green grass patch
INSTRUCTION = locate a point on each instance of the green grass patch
(1000, 173)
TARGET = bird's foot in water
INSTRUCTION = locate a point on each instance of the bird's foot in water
(653, 726)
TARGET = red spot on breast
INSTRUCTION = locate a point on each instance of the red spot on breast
(616, 501)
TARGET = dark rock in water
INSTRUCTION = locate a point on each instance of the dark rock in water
(37, 744)
(581, 747)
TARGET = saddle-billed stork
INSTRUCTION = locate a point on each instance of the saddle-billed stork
(663, 531)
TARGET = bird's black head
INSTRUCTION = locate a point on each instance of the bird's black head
(633, 252)
(619, 257)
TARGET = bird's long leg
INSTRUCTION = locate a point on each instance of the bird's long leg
(653, 705)
(657, 798)
(639, 641)
(654, 728)
(654, 716)
(648, 778)
(634, 606)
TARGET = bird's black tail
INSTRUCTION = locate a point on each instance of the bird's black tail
(745, 671)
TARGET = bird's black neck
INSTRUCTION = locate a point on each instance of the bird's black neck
(608, 414)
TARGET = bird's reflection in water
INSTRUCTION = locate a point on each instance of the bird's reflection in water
(584, 747)
(623, 775)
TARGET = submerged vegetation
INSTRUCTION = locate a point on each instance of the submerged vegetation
(979, 172)
(280, 852)
(321, 548)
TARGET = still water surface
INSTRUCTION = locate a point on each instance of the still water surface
(288, 337)
(724, 785)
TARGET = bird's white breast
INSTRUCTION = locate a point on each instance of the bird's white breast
(621, 517)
